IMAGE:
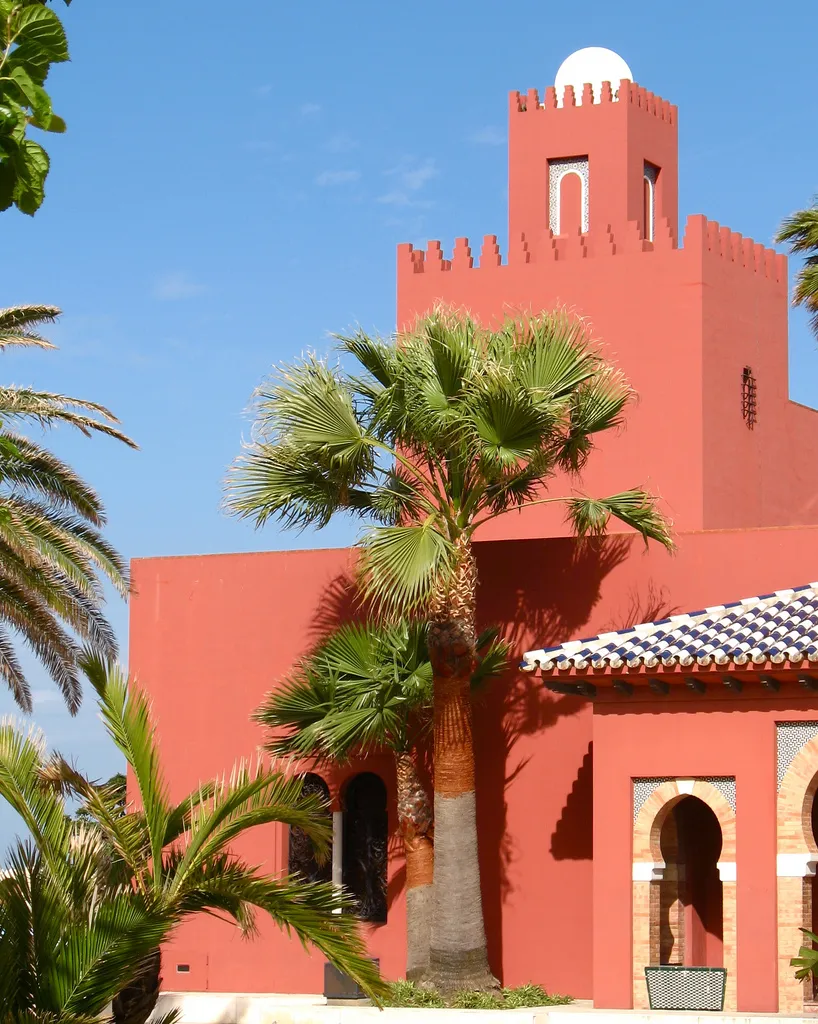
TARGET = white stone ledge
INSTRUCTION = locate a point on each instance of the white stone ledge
(246, 1008)
(648, 871)
(796, 865)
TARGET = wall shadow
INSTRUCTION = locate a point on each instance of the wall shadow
(539, 592)
(341, 602)
(573, 837)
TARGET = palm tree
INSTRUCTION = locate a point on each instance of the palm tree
(801, 231)
(366, 688)
(176, 856)
(53, 557)
(432, 437)
(71, 931)
(68, 937)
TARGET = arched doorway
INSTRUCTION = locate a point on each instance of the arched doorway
(811, 897)
(300, 851)
(797, 750)
(366, 830)
(684, 877)
(691, 917)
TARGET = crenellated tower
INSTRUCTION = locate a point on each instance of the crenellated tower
(696, 319)
(586, 161)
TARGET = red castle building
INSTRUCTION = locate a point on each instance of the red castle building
(645, 796)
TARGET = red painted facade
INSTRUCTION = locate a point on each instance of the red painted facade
(210, 634)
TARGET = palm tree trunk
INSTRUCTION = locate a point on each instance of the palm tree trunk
(415, 823)
(136, 1002)
(458, 954)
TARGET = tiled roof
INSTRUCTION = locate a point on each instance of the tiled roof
(779, 628)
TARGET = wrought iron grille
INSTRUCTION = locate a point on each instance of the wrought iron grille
(686, 988)
(748, 397)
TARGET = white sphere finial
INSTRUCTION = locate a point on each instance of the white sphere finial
(594, 64)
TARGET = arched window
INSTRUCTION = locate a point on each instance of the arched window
(649, 200)
(301, 854)
(365, 842)
(568, 195)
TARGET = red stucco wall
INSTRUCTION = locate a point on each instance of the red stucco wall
(210, 634)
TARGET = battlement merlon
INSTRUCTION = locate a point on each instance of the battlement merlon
(626, 92)
(703, 236)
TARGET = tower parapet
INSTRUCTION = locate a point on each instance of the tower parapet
(625, 92)
(701, 236)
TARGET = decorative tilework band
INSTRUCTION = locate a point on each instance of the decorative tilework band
(790, 737)
(644, 788)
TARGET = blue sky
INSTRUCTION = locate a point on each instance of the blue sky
(234, 181)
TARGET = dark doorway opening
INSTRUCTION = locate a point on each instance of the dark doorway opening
(301, 853)
(691, 904)
(366, 829)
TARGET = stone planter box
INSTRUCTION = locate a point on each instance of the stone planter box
(338, 985)
(686, 988)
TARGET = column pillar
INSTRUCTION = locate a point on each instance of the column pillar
(338, 850)
(647, 887)
(795, 874)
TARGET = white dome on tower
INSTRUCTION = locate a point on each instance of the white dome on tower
(594, 64)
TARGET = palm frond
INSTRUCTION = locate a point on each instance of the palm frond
(65, 541)
(18, 326)
(69, 940)
(492, 657)
(299, 486)
(53, 559)
(47, 409)
(12, 674)
(40, 807)
(801, 232)
(475, 420)
(32, 470)
(401, 565)
(807, 959)
(30, 609)
(310, 911)
(127, 716)
(252, 795)
(551, 355)
(635, 508)
(800, 229)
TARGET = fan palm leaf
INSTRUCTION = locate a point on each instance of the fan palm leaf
(801, 232)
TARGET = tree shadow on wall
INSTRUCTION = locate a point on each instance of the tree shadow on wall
(341, 602)
(648, 605)
(540, 592)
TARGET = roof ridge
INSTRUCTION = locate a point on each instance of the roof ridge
(705, 638)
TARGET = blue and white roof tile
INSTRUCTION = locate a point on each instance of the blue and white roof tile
(779, 629)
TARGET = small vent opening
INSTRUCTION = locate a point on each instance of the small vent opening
(749, 407)
(183, 968)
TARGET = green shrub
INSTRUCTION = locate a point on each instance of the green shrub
(407, 993)
(531, 995)
(466, 1000)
